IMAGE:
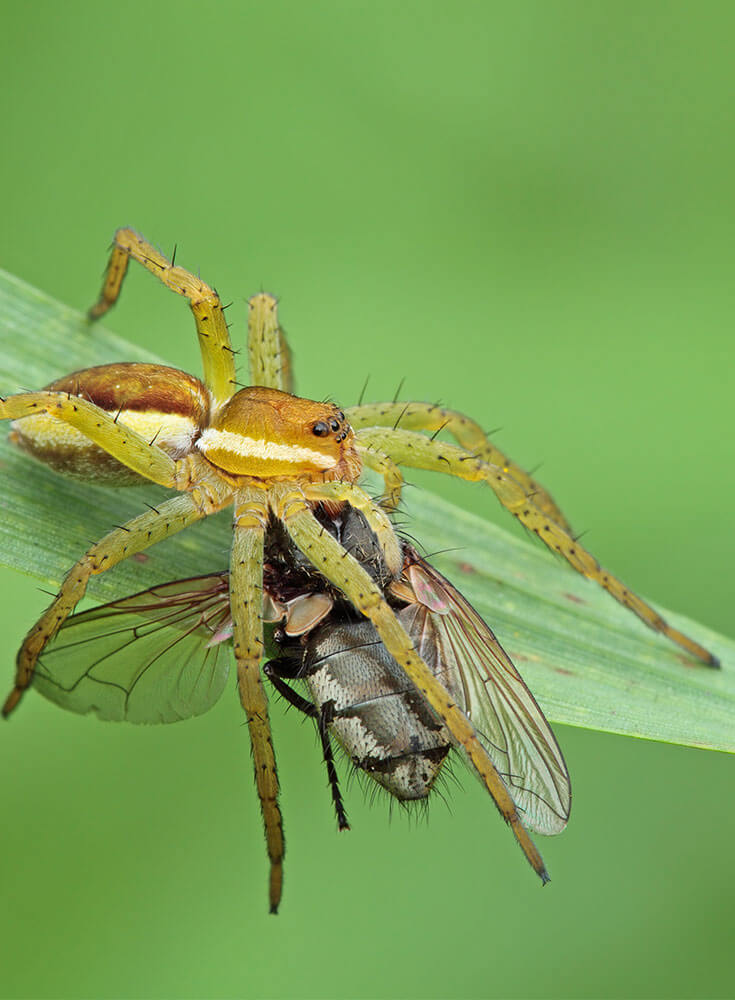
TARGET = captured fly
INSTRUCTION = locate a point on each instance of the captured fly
(360, 696)
(162, 655)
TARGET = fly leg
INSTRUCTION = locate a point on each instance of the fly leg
(275, 671)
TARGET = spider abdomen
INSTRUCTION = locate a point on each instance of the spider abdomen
(266, 433)
(163, 404)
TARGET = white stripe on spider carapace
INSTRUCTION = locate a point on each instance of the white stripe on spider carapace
(247, 447)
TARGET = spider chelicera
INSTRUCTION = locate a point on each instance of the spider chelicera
(273, 456)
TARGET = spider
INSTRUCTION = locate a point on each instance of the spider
(270, 455)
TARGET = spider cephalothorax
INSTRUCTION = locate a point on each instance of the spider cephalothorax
(272, 456)
(269, 434)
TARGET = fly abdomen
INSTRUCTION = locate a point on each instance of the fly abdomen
(376, 714)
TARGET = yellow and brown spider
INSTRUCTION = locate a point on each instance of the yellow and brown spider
(271, 455)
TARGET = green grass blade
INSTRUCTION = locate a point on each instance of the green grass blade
(588, 661)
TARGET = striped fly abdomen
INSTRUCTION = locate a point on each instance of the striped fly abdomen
(375, 712)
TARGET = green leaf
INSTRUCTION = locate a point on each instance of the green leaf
(588, 661)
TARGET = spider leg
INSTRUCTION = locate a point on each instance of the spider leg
(118, 440)
(392, 476)
(275, 671)
(218, 359)
(268, 350)
(471, 437)
(377, 519)
(420, 452)
(135, 536)
(339, 567)
(246, 596)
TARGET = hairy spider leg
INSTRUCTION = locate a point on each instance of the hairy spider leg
(343, 570)
(377, 519)
(416, 450)
(246, 601)
(268, 350)
(276, 671)
(218, 360)
(387, 469)
(118, 440)
(137, 535)
(270, 365)
(471, 437)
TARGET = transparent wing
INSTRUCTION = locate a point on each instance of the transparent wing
(510, 725)
(153, 657)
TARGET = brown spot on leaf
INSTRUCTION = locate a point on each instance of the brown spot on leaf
(574, 599)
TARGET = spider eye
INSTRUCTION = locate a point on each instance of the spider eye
(334, 424)
(320, 428)
(341, 417)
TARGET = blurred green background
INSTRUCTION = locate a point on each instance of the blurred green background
(527, 211)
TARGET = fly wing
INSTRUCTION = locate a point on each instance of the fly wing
(510, 725)
(152, 657)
